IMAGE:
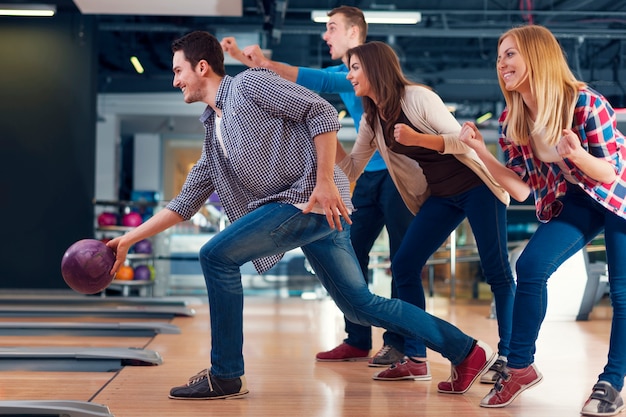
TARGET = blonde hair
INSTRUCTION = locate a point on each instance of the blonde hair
(552, 84)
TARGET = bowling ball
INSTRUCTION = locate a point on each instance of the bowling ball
(125, 273)
(132, 219)
(143, 246)
(142, 273)
(107, 219)
(86, 264)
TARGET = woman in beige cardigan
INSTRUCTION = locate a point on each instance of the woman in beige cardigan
(441, 179)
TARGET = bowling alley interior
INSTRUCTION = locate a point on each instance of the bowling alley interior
(95, 140)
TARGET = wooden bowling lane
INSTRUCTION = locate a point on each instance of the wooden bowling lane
(283, 335)
(67, 385)
(71, 351)
(69, 339)
(71, 298)
(62, 385)
(33, 386)
(61, 304)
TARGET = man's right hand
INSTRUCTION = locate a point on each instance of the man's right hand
(120, 247)
(229, 45)
(254, 54)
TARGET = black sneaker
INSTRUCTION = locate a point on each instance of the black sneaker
(386, 356)
(494, 372)
(204, 386)
(603, 401)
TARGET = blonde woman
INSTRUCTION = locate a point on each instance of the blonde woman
(561, 143)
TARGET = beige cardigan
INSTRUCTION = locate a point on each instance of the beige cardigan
(429, 114)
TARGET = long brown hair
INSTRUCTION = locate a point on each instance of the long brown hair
(552, 83)
(381, 66)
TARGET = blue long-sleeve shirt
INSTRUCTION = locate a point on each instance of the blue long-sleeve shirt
(333, 80)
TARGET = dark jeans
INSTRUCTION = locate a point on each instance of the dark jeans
(437, 218)
(378, 204)
(275, 228)
(552, 244)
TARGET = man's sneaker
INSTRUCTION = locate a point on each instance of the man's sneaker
(511, 384)
(343, 352)
(407, 368)
(387, 355)
(464, 374)
(603, 401)
(204, 386)
(494, 372)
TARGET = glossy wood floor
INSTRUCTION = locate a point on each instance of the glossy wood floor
(282, 336)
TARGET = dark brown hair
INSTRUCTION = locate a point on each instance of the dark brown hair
(381, 67)
(200, 45)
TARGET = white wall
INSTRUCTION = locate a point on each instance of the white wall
(147, 162)
(107, 141)
(148, 154)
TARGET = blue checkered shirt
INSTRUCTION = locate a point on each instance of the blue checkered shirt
(268, 126)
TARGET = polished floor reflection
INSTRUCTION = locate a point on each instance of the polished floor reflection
(282, 336)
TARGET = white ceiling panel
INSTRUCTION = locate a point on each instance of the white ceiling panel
(162, 7)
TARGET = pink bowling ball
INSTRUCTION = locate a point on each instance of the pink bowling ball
(132, 219)
(107, 219)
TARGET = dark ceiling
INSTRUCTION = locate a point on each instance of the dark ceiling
(452, 49)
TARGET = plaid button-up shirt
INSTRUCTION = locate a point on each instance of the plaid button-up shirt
(268, 154)
(596, 126)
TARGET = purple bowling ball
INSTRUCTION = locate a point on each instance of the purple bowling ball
(86, 264)
(142, 273)
(143, 246)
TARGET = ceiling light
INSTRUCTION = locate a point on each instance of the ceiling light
(392, 17)
(233, 8)
(138, 67)
(31, 10)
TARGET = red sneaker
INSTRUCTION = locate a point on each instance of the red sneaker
(511, 384)
(343, 352)
(407, 368)
(464, 374)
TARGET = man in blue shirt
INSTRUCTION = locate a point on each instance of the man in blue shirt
(376, 199)
(269, 153)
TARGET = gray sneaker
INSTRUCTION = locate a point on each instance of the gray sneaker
(494, 372)
(386, 356)
(603, 401)
(204, 386)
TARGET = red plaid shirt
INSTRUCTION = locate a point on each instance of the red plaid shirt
(596, 126)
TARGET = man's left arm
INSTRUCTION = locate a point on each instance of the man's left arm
(325, 192)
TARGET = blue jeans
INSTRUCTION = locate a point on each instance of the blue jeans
(430, 228)
(378, 204)
(552, 244)
(275, 228)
